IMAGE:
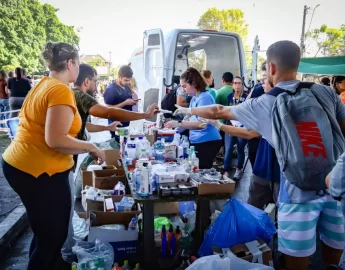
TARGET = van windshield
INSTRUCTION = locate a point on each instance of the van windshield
(216, 52)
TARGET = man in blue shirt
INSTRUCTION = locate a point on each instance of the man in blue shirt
(119, 95)
(300, 211)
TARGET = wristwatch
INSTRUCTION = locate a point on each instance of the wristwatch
(179, 123)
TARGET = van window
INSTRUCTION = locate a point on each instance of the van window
(213, 51)
(197, 59)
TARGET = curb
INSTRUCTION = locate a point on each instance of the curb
(11, 228)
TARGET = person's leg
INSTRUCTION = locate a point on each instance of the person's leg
(66, 250)
(229, 148)
(48, 215)
(15, 104)
(206, 153)
(259, 192)
(6, 105)
(2, 109)
(297, 232)
(241, 144)
(331, 228)
(253, 146)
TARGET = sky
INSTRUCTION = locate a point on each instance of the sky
(117, 26)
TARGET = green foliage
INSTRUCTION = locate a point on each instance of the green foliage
(97, 62)
(229, 20)
(327, 41)
(196, 59)
(25, 29)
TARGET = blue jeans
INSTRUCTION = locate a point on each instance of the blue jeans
(229, 148)
(4, 107)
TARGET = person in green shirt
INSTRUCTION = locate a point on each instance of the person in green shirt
(226, 90)
(207, 74)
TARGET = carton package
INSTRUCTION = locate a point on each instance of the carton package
(111, 204)
(125, 205)
(125, 243)
(256, 252)
(107, 179)
(166, 208)
(227, 185)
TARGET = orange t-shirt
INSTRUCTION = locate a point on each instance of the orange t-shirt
(29, 151)
(342, 96)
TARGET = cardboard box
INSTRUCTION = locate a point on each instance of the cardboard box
(113, 157)
(91, 205)
(125, 243)
(166, 208)
(86, 178)
(228, 186)
(107, 179)
(255, 251)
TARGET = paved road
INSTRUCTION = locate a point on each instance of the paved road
(17, 257)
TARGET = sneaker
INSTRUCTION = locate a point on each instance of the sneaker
(238, 174)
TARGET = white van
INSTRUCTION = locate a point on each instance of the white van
(159, 63)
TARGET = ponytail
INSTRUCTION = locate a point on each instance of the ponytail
(18, 72)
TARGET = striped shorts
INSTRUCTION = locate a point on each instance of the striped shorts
(297, 226)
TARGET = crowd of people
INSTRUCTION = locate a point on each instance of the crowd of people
(54, 124)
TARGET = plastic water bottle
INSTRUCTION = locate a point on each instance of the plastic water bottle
(144, 182)
(151, 178)
(137, 179)
(143, 153)
(132, 226)
(131, 148)
(159, 150)
(177, 138)
(185, 146)
(148, 147)
(195, 161)
(140, 145)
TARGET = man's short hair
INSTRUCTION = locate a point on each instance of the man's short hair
(285, 54)
(85, 71)
(126, 72)
(228, 77)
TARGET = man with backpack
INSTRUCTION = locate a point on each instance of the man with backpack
(305, 124)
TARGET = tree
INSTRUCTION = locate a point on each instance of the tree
(97, 62)
(196, 59)
(27, 26)
(326, 41)
(229, 20)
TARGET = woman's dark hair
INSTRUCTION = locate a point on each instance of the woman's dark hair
(238, 77)
(3, 74)
(335, 80)
(18, 72)
(58, 53)
(10, 74)
(194, 78)
(326, 81)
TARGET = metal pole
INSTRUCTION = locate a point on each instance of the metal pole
(256, 48)
(305, 10)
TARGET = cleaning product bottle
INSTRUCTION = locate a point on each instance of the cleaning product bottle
(172, 245)
(177, 235)
(137, 266)
(164, 242)
(195, 161)
(132, 226)
(126, 266)
(171, 231)
(185, 146)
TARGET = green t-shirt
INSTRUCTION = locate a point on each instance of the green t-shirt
(222, 95)
(84, 103)
(212, 92)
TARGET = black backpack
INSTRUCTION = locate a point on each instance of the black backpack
(169, 101)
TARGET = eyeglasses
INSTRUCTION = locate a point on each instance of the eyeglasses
(92, 79)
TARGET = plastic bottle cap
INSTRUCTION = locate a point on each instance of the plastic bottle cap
(132, 139)
(134, 219)
(125, 263)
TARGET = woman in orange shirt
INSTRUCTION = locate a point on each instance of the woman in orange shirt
(38, 161)
(339, 86)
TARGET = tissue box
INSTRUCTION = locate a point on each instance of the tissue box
(125, 204)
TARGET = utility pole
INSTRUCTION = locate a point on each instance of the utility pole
(305, 10)
(255, 51)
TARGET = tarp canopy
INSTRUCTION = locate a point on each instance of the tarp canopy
(323, 65)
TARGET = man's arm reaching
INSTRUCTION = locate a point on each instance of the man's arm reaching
(208, 112)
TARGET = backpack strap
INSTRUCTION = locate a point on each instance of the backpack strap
(276, 91)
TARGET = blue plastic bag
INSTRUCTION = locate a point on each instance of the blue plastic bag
(239, 223)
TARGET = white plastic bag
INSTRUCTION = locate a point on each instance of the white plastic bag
(211, 262)
(229, 262)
